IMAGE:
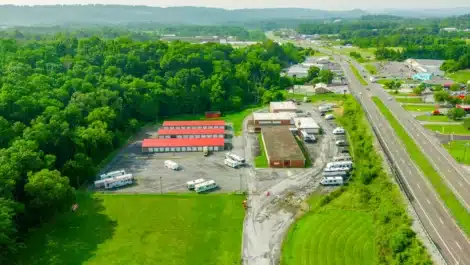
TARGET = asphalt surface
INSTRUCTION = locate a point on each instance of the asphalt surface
(440, 225)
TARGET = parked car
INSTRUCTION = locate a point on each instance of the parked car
(341, 143)
(329, 117)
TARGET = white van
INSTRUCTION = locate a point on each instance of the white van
(338, 131)
(193, 183)
(171, 165)
(332, 181)
(205, 186)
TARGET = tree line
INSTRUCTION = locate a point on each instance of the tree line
(66, 103)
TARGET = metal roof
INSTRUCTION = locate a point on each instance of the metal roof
(268, 116)
(306, 123)
(280, 144)
(175, 142)
(195, 123)
(190, 131)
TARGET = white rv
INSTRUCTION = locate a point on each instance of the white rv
(324, 108)
(344, 165)
(205, 186)
(232, 163)
(234, 157)
(332, 181)
(342, 158)
(99, 183)
(113, 174)
(118, 181)
(171, 165)
(193, 183)
(338, 131)
(343, 174)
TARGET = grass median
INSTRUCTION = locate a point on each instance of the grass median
(358, 75)
(456, 208)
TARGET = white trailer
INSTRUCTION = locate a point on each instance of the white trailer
(234, 157)
(307, 137)
(99, 183)
(332, 181)
(339, 163)
(324, 108)
(343, 174)
(329, 117)
(113, 174)
(342, 158)
(232, 163)
(338, 131)
(171, 165)
(205, 186)
(118, 181)
(339, 166)
(193, 183)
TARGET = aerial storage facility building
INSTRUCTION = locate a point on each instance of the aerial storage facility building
(190, 133)
(214, 124)
(281, 147)
(182, 145)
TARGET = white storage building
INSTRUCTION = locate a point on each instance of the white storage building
(283, 106)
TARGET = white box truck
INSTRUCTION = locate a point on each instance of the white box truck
(171, 165)
(332, 181)
(193, 183)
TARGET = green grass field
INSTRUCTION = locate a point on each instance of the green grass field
(440, 118)
(458, 211)
(409, 100)
(261, 161)
(371, 68)
(331, 237)
(358, 75)
(462, 76)
(460, 150)
(448, 129)
(141, 229)
(392, 92)
(420, 108)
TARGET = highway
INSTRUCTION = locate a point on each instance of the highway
(453, 244)
(452, 173)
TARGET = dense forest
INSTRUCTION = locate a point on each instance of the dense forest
(66, 103)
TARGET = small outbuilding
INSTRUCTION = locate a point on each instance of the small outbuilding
(284, 106)
(307, 124)
(281, 147)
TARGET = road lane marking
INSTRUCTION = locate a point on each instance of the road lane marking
(419, 187)
(458, 245)
(428, 201)
(440, 219)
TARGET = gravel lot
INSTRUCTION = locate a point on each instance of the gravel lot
(153, 177)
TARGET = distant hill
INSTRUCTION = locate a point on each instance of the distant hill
(114, 14)
(427, 13)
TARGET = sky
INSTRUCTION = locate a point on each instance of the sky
(236, 4)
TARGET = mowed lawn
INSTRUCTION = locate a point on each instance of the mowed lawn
(420, 108)
(409, 100)
(187, 229)
(434, 118)
(462, 76)
(460, 150)
(331, 237)
(448, 129)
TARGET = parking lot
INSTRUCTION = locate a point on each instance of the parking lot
(151, 176)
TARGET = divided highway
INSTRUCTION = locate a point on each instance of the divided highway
(440, 225)
(452, 173)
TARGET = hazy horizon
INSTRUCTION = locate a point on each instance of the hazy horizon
(241, 4)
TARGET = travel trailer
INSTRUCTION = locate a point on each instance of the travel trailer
(205, 186)
(234, 157)
(338, 131)
(118, 181)
(113, 174)
(329, 117)
(332, 181)
(171, 165)
(232, 163)
(193, 183)
(343, 174)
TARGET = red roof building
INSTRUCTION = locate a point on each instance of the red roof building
(190, 133)
(213, 124)
(182, 145)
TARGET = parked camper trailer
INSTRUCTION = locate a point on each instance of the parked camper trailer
(171, 165)
(324, 108)
(343, 174)
(234, 157)
(118, 181)
(232, 163)
(342, 158)
(345, 165)
(113, 174)
(332, 181)
(99, 183)
(341, 143)
(338, 131)
(193, 183)
(205, 186)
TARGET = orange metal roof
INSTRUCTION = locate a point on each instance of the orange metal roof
(174, 142)
(195, 123)
(189, 131)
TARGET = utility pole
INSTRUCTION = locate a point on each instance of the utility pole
(161, 187)
(465, 151)
(241, 183)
